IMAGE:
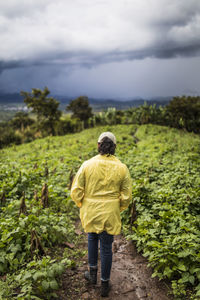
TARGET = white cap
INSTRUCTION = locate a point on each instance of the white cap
(108, 134)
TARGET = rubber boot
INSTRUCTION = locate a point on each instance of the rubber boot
(91, 275)
(105, 288)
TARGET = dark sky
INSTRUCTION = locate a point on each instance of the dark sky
(101, 48)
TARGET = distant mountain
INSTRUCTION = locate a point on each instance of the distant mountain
(96, 103)
(11, 98)
(102, 103)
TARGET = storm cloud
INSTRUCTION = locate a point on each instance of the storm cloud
(49, 42)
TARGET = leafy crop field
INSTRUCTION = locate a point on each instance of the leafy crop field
(37, 214)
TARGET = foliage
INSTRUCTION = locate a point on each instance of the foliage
(143, 114)
(26, 238)
(68, 125)
(165, 171)
(111, 116)
(185, 113)
(164, 164)
(80, 109)
(181, 112)
(21, 120)
(39, 280)
(8, 136)
(46, 108)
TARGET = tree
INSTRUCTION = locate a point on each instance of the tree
(45, 108)
(21, 120)
(184, 112)
(80, 109)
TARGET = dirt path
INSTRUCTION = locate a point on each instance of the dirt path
(130, 277)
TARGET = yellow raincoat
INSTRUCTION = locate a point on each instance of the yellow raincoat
(102, 188)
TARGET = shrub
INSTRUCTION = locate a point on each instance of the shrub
(68, 125)
(8, 137)
(184, 113)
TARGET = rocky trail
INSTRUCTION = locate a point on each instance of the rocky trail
(130, 277)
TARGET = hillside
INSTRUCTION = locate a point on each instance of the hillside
(37, 225)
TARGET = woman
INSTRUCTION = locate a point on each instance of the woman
(102, 189)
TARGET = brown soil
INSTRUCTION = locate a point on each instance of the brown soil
(130, 277)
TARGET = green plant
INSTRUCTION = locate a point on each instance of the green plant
(39, 280)
(163, 218)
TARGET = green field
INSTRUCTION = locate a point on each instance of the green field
(165, 166)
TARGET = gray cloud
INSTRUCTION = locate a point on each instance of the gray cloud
(60, 37)
(40, 29)
(10, 65)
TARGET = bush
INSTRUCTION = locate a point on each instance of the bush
(8, 137)
(21, 121)
(68, 125)
(184, 112)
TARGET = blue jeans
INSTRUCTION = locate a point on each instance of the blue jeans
(105, 252)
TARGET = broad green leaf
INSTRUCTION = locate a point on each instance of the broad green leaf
(182, 267)
(38, 275)
(45, 285)
(54, 285)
